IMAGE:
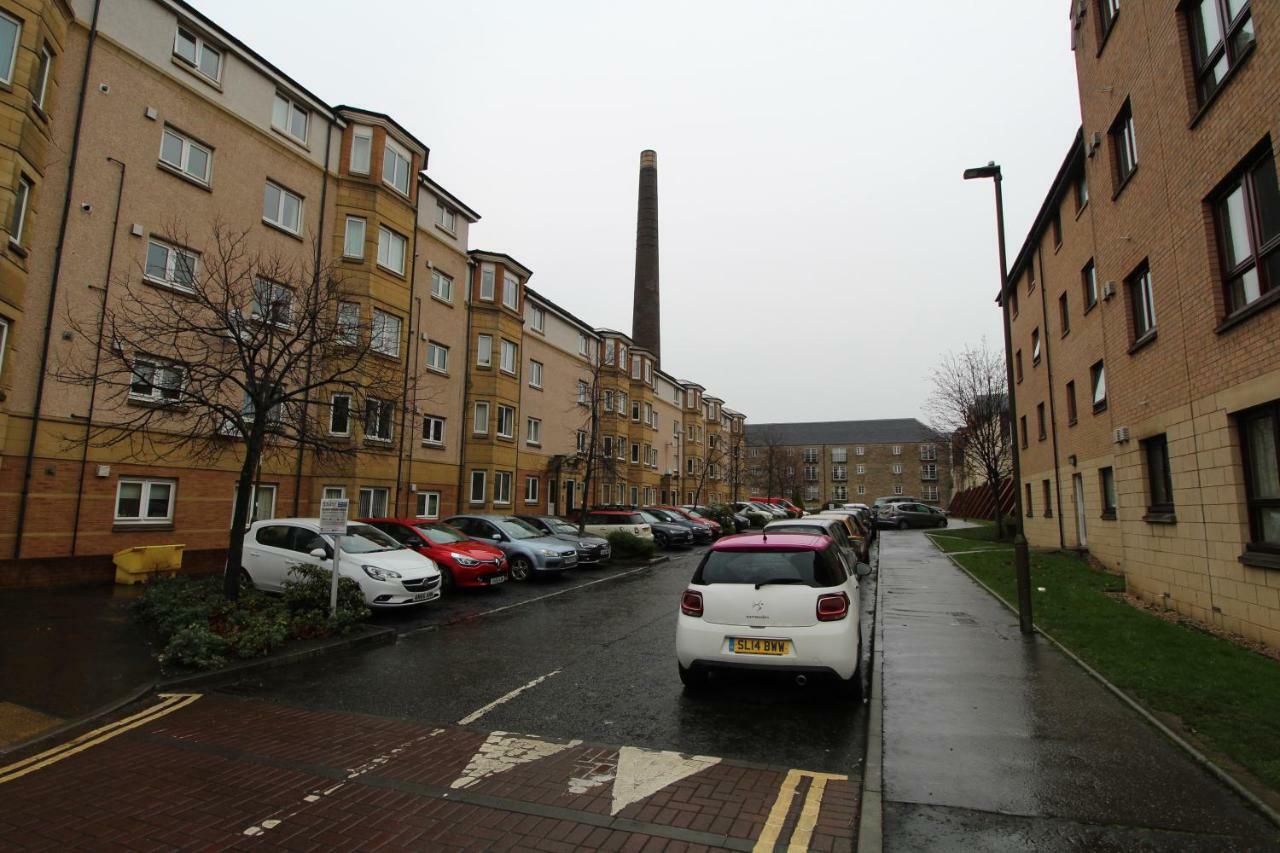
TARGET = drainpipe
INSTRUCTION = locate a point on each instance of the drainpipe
(97, 357)
(74, 159)
(466, 387)
(417, 353)
(1053, 418)
(404, 394)
(302, 428)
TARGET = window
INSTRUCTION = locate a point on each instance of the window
(155, 381)
(348, 329)
(1064, 315)
(897, 450)
(331, 493)
(185, 155)
(1056, 227)
(1141, 304)
(433, 430)
(22, 198)
(929, 471)
(1248, 216)
(395, 167)
(441, 286)
(373, 502)
(437, 357)
(391, 250)
(484, 351)
(636, 366)
(446, 218)
(288, 117)
(608, 400)
(531, 489)
(1035, 346)
(535, 374)
(582, 344)
(507, 355)
(262, 504)
(896, 467)
(1124, 146)
(839, 454)
(810, 455)
(486, 282)
(1107, 12)
(862, 489)
(140, 501)
(1013, 300)
(353, 242)
(1071, 402)
(610, 354)
(1045, 495)
(1159, 480)
(197, 53)
(582, 393)
(170, 265)
(1259, 431)
(340, 414)
(859, 451)
(897, 488)
(840, 493)
(506, 422)
(1031, 274)
(839, 472)
(40, 88)
(510, 291)
(282, 208)
(480, 422)
(1082, 189)
(1089, 280)
(581, 445)
(1022, 425)
(477, 487)
(1221, 35)
(648, 372)
(428, 505)
(10, 37)
(502, 487)
(1107, 480)
(272, 302)
(532, 431)
(860, 468)
(537, 319)
(635, 453)
(1098, 386)
(1040, 420)
(4, 340)
(385, 335)
(1029, 509)
(635, 412)
(378, 419)
(361, 149)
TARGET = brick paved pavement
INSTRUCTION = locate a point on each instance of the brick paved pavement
(220, 773)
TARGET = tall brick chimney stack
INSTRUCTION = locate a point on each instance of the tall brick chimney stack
(646, 321)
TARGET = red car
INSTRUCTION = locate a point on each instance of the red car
(462, 560)
(696, 519)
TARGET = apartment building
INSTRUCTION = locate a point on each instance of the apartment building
(1143, 313)
(139, 132)
(848, 461)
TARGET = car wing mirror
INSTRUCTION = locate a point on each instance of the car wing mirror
(862, 570)
(497, 537)
(320, 553)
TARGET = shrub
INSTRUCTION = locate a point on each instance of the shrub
(194, 646)
(629, 545)
(306, 595)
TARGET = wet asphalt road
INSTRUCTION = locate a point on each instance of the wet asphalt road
(606, 654)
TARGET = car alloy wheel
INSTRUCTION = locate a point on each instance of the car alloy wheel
(520, 569)
(660, 540)
(447, 582)
(243, 578)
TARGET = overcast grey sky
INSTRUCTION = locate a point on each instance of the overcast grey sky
(819, 248)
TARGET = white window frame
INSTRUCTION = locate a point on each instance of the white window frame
(488, 282)
(392, 155)
(388, 242)
(502, 488)
(333, 410)
(446, 218)
(372, 405)
(199, 47)
(581, 442)
(437, 357)
(385, 331)
(433, 430)
(531, 488)
(582, 345)
(897, 488)
(333, 493)
(144, 498)
(533, 431)
(442, 286)
(21, 202)
(506, 415)
(253, 515)
(862, 489)
(157, 368)
(510, 291)
(484, 351)
(537, 319)
(424, 502)
(860, 468)
(897, 450)
(582, 393)
(482, 482)
(373, 493)
(508, 356)
(4, 341)
(41, 89)
(172, 254)
(273, 291)
(896, 468)
(186, 145)
(637, 367)
(13, 54)
(292, 109)
(358, 252)
(277, 217)
(362, 136)
(347, 330)
(535, 373)
(480, 418)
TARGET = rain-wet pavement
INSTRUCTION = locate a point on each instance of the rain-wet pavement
(996, 742)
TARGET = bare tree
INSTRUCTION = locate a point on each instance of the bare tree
(716, 454)
(593, 457)
(775, 464)
(220, 352)
(970, 400)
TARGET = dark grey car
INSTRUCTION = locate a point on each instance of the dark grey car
(906, 515)
(592, 549)
(666, 534)
(701, 532)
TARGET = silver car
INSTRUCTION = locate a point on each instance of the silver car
(528, 549)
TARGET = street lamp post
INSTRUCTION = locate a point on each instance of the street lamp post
(1021, 561)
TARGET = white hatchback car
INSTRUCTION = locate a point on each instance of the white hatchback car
(388, 573)
(783, 602)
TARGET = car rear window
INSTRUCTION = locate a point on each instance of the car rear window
(811, 568)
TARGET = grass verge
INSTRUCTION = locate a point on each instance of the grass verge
(967, 538)
(1225, 695)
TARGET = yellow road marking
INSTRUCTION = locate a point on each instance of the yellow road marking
(808, 814)
(170, 702)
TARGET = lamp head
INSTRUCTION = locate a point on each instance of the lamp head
(991, 170)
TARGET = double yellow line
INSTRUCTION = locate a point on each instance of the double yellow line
(803, 834)
(169, 702)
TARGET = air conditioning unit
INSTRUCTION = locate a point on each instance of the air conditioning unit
(1120, 434)
(1108, 290)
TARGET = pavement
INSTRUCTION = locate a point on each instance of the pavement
(65, 653)
(996, 742)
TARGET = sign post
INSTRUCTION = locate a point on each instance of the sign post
(333, 522)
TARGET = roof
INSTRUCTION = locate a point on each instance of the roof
(502, 258)
(776, 542)
(884, 431)
(383, 117)
(563, 312)
(434, 185)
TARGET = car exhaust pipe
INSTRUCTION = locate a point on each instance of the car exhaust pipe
(801, 680)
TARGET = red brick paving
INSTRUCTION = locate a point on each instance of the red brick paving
(200, 777)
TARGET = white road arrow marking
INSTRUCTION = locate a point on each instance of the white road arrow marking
(644, 772)
(501, 751)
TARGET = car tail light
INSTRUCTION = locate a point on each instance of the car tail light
(832, 607)
(691, 603)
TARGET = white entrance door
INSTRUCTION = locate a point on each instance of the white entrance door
(1077, 486)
